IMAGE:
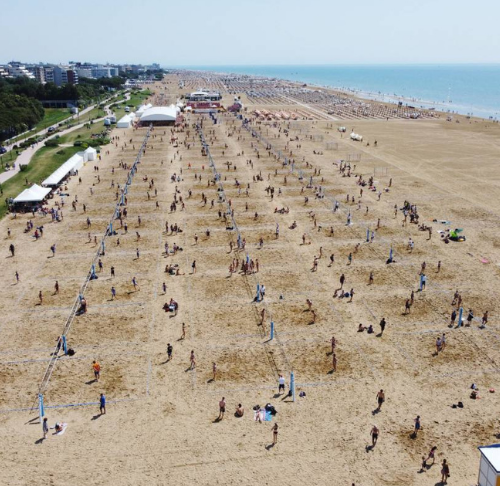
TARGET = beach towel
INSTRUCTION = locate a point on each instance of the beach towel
(61, 432)
(264, 415)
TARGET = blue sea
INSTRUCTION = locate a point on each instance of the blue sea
(465, 88)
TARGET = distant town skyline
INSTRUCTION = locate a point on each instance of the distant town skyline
(281, 32)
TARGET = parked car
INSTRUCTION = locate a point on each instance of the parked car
(3, 150)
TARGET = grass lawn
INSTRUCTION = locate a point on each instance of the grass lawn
(92, 115)
(44, 162)
(135, 101)
(53, 116)
(8, 158)
(82, 133)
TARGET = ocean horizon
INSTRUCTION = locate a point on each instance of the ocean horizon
(468, 89)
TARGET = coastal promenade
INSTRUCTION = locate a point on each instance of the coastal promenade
(25, 157)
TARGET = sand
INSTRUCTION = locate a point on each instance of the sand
(160, 425)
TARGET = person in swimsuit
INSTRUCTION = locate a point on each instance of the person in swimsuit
(275, 434)
(374, 433)
(445, 472)
(484, 320)
(470, 317)
(380, 399)
(239, 410)
(431, 455)
(222, 408)
(333, 343)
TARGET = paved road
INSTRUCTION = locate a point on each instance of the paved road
(29, 134)
(25, 157)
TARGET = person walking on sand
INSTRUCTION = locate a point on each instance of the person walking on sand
(113, 293)
(407, 306)
(222, 408)
(380, 399)
(334, 362)
(332, 259)
(333, 342)
(439, 345)
(417, 425)
(102, 404)
(193, 360)
(484, 320)
(342, 280)
(445, 472)
(374, 433)
(40, 297)
(45, 427)
(214, 370)
(183, 335)
(169, 351)
(97, 370)
(56, 287)
(382, 326)
(431, 455)
(275, 434)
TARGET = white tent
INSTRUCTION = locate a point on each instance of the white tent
(142, 109)
(70, 166)
(89, 153)
(160, 114)
(489, 468)
(34, 194)
(124, 122)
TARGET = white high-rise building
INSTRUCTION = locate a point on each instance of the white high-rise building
(16, 69)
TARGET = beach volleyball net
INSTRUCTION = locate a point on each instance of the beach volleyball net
(331, 146)
(381, 171)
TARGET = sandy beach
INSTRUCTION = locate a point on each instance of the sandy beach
(161, 422)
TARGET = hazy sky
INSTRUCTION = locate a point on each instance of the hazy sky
(221, 32)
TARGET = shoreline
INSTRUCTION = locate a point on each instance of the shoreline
(377, 96)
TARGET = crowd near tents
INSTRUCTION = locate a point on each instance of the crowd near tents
(36, 195)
